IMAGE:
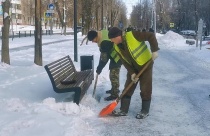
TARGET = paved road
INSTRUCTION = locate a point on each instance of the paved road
(180, 104)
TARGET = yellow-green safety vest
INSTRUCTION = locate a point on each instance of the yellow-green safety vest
(113, 54)
(138, 50)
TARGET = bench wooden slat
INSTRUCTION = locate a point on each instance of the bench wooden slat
(61, 76)
(58, 66)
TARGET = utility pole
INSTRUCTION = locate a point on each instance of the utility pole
(75, 31)
(64, 11)
(154, 14)
(16, 15)
(102, 18)
(38, 34)
(64, 15)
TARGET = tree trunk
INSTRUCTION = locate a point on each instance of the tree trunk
(38, 34)
(60, 17)
(96, 18)
(5, 32)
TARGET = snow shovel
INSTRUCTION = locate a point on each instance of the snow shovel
(94, 90)
(109, 108)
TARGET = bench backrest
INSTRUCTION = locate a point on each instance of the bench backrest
(60, 69)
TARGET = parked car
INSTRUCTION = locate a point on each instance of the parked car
(188, 32)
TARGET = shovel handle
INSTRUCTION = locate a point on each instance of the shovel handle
(94, 90)
(131, 83)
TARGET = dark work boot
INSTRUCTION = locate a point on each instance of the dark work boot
(110, 98)
(145, 110)
(125, 103)
(110, 91)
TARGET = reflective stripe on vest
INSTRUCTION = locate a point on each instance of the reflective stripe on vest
(138, 50)
(118, 50)
(113, 54)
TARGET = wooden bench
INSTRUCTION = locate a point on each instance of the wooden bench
(65, 78)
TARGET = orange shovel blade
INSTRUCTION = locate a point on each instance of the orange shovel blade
(108, 109)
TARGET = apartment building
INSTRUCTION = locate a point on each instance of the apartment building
(21, 12)
(16, 12)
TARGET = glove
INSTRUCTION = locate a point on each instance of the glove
(154, 55)
(98, 71)
(134, 78)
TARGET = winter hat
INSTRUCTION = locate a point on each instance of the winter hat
(114, 32)
(91, 35)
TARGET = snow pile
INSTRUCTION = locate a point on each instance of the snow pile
(63, 118)
(172, 36)
(172, 39)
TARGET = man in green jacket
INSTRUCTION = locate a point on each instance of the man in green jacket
(107, 53)
(134, 54)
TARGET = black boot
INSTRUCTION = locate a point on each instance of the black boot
(110, 91)
(145, 110)
(110, 98)
(125, 103)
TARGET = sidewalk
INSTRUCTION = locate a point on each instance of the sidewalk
(28, 42)
(32, 45)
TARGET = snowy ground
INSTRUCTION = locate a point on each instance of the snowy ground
(180, 100)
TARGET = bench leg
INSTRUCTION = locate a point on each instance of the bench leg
(77, 96)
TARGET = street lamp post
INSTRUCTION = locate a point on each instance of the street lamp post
(154, 15)
(64, 11)
(102, 18)
(75, 31)
(16, 15)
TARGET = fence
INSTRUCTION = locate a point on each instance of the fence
(28, 33)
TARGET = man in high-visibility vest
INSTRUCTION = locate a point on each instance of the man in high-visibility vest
(134, 55)
(107, 53)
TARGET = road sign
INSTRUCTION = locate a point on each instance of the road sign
(1, 11)
(200, 28)
(171, 25)
(50, 11)
(80, 20)
(51, 6)
(47, 15)
(120, 25)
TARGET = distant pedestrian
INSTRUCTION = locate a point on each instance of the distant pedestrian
(144, 30)
(130, 28)
(151, 30)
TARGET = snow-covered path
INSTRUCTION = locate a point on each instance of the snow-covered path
(180, 99)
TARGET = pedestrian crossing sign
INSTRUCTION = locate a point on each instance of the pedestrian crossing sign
(171, 25)
(47, 15)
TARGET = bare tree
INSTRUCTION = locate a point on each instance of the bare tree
(141, 15)
(60, 16)
(5, 32)
(114, 11)
(87, 14)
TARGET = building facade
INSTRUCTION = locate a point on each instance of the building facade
(16, 12)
